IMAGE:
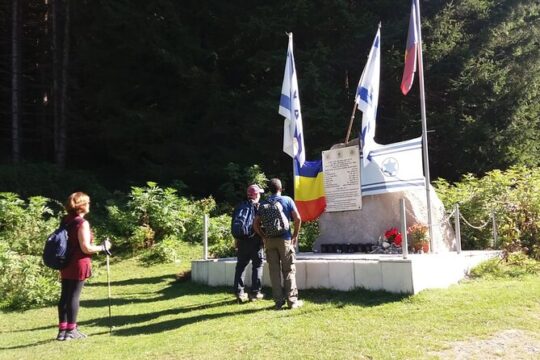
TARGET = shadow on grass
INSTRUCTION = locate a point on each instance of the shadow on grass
(173, 289)
(359, 297)
(134, 281)
(51, 340)
(177, 323)
(121, 320)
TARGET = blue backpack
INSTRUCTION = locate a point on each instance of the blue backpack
(242, 220)
(56, 252)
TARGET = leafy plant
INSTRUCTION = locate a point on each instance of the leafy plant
(24, 281)
(418, 236)
(515, 265)
(308, 235)
(163, 252)
(511, 196)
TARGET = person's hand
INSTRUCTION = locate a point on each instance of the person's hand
(294, 240)
(106, 246)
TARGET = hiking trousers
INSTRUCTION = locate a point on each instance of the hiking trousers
(249, 250)
(281, 259)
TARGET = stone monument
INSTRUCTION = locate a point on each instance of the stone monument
(380, 213)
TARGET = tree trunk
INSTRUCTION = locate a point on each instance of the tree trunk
(15, 81)
(63, 100)
(55, 93)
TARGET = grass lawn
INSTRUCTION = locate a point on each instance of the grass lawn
(157, 317)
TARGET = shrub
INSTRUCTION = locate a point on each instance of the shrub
(163, 252)
(513, 196)
(24, 226)
(308, 235)
(153, 214)
(24, 281)
(515, 265)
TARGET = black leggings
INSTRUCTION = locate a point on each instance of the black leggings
(68, 306)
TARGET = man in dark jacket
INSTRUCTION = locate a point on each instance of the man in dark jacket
(249, 248)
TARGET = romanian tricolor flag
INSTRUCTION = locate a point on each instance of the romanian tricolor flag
(411, 51)
(309, 189)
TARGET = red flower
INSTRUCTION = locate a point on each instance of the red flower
(393, 236)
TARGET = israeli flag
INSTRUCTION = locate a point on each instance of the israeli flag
(394, 167)
(367, 97)
(289, 107)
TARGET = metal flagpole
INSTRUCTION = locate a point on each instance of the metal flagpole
(351, 122)
(424, 123)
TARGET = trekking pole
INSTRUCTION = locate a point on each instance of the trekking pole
(109, 289)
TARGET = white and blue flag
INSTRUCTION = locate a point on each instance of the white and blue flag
(367, 97)
(394, 167)
(289, 107)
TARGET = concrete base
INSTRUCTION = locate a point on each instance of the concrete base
(344, 272)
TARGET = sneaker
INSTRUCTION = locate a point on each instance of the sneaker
(242, 297)
(279, 304)
(297, 304)
(257, 296)
(61, 335)
(75, 334)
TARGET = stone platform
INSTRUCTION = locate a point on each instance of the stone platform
(345, 272)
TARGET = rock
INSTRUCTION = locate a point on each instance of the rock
(380, 213)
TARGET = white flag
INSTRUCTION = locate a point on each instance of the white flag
(367, 97)
(289, 107)
(394, 167)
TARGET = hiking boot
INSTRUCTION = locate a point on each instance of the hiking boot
(242, 297)
(75, 334)
(296, 304)
(61, 335)
(257, 296)
(279, 304)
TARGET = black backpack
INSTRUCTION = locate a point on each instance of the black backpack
(242, 220)
(56, 252)
(273, 219)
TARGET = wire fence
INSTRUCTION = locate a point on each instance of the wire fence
(458, 218)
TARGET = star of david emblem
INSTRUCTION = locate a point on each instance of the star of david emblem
(390, 167)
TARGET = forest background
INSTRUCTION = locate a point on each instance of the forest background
(185, 93)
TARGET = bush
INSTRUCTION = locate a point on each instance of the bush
(153, 214)
(24, 226)
(515, 265)
(513, 196)
(308, 234)
(25, 282)
(163, 252)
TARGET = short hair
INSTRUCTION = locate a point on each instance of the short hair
(275, 185)
(76, 202)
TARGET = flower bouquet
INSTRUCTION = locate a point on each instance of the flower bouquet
(393, 236)
(418, 237)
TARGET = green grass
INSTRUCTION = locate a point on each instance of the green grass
(157, 317)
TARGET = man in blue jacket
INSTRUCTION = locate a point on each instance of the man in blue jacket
(249, 249)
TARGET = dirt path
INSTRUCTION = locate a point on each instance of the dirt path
(507, 344)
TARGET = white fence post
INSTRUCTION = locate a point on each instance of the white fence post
(205, 237)
(403, 221)
(458, 229)
(494, 229)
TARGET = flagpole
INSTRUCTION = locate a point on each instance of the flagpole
(350, 123)
(424, 125)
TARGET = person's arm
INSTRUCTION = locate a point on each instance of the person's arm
(297, 224)
(257, 227)
(85, 237)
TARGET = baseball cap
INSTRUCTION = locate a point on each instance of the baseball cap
(253, 190)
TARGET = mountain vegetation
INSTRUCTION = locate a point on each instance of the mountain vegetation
(163, 90)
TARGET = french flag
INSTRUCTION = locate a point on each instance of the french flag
(411, 52)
